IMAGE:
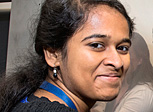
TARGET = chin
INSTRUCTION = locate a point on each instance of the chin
(108, 96)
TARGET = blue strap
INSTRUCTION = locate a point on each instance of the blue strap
(58, 92)
(25, 100)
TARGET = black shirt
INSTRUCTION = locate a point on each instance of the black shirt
(42, 104)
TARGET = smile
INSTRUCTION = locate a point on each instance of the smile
(109, 77)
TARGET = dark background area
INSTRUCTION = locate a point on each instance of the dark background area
(5, 0)
(4, 31)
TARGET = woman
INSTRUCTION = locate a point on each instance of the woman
(136, 94)
(82, 48)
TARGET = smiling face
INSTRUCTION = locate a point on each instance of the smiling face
(97, 56)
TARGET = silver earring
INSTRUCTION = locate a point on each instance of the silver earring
(55, 72)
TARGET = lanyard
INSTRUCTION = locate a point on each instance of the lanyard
(58, 92)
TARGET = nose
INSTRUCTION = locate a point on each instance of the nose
(113, 58)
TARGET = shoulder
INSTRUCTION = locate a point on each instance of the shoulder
(138, 99)
(41, 105)
(141, 90)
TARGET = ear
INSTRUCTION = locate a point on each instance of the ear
(51, 57)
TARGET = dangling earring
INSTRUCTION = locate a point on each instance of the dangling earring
(55, 72)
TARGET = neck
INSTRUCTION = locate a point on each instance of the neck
(79, 103)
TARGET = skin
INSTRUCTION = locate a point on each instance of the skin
(96, 61)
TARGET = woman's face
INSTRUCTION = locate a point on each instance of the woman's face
(97, 56)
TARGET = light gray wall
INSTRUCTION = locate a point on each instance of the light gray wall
(22, 13)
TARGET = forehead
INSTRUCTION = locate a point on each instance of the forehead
(104, 13)
(104, 18)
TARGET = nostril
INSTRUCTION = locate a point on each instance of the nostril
(111, 65)
(115, 68)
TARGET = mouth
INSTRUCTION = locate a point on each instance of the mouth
(110, 77)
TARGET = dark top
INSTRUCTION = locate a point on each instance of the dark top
(42, 104)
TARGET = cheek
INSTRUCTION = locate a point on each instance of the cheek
(82, 57)
(85, 62)
(79, 69)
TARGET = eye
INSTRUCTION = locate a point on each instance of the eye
(97, 46)
(123, 49)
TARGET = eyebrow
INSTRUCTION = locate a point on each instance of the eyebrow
(94, 36)
(124, 40)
